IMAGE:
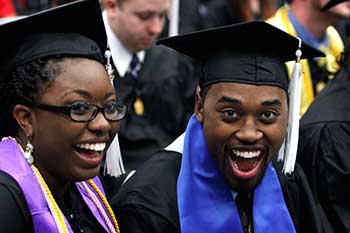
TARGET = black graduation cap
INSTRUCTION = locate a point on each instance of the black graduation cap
(332, 3)
(73, 29)
(252, 53)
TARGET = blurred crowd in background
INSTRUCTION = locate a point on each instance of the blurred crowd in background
(230, 11)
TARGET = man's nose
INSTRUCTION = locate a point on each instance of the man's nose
(155, 25)
(249, 132)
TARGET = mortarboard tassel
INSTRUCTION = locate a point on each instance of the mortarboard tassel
(174, 18)
(288, 151)
(113, 164)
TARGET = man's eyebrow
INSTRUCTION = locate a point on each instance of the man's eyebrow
(224, 99)
(271, 102)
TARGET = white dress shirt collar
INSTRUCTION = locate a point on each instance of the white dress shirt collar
(121, 56)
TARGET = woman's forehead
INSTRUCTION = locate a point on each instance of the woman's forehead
(81, 76)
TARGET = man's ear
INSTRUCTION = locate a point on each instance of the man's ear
(24, 117)
(198, 105)
(109, 5)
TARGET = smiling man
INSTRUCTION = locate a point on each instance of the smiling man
(220, 176)
(244, 127)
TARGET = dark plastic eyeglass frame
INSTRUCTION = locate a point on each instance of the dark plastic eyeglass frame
(66, 110)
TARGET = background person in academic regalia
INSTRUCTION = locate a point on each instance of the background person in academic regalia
(188, 19)
(324, 147)
(225, 12)
(59, 112)
(152, 81)
(305, 19)
(219, 175)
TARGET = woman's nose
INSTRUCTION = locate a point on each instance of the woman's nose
(100, 124)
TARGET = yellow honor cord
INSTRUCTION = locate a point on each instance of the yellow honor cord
(106, 204)
(55, 210)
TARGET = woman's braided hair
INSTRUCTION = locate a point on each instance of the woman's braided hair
(25, 83)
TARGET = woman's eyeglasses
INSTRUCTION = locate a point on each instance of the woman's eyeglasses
(84, 112)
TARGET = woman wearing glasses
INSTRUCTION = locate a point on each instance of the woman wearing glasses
(59, 113)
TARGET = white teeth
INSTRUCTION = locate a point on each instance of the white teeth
(247, 154)
(92, 146)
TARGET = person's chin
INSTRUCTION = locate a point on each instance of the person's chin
(146, 43)
(86, 174)
(244, 186)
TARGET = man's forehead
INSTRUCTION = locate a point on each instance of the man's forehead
(149, 5)
(221, 88)
(241, 94)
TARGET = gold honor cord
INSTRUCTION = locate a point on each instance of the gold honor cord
(55, 210)
(106, 205)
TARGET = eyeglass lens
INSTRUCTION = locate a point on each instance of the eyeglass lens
(82, 111)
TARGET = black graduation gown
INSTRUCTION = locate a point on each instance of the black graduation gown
(190, 18)
(166, 87)
(221, 13)
(324, 150)
(147, 202)
(15, 216)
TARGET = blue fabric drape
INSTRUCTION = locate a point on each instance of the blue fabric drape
(205, 200)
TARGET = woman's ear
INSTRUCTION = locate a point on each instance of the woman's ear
(198, 105)
(24, 117)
